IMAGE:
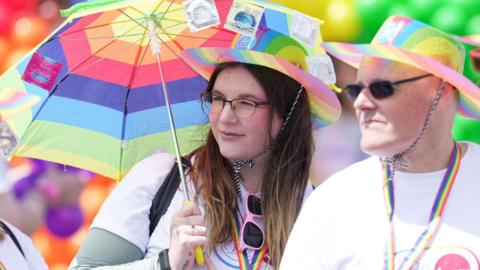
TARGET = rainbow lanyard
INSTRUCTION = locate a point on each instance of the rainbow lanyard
(242, 256)
(435, 215)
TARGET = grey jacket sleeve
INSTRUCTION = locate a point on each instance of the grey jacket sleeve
(103, 250)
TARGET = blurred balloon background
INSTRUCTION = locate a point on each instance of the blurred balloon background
(23, 24)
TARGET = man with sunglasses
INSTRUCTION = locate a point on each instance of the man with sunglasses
(413, 204)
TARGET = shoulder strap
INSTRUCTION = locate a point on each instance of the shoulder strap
(12, 235)
(165, 194)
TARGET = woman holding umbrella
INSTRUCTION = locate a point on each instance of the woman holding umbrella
(248, 180)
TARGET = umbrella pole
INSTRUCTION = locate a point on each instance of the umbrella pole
(172, 128)
(156, 50)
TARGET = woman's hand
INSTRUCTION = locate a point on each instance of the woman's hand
(187, 231)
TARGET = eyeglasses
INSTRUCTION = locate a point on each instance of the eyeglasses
(251, 235)
(243, 107)
(379, 89)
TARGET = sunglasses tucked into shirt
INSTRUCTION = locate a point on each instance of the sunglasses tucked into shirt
(380, 89)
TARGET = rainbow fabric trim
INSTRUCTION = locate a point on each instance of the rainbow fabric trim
(242, 256)
(324, 105)
(415, 253)
(472, 40)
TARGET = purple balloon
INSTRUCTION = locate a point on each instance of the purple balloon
(63, 221)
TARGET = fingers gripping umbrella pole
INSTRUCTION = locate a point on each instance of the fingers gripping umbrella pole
(156, 51)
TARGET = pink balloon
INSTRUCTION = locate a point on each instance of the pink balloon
(6, 20)
(21, 5)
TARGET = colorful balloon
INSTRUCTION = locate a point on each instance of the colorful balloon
(372, 14)
(5, 20)
(21, 5)
(423, 9)
(465, 129)
(342, 22)
(473, 25)
(29, 30)
(449, 18)
(64, 221)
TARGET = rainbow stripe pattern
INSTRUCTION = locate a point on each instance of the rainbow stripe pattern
(13, 102)
(472, 39)
(258, 256)
(415, 253)
(101, 101)
(420, 45)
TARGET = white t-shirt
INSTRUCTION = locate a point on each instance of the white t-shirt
(125, 212)
(344, 224)
(4, 184)
(12, 259)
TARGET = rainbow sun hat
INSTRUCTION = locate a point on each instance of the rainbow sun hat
(415, 43)
(279, 52)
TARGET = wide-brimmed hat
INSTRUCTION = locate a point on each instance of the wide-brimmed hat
(415, 43)
(279, 52)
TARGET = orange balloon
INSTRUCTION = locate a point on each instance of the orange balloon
(29, 30)
(15, 56)
(92, 198)
(4, 51)
(4, 48)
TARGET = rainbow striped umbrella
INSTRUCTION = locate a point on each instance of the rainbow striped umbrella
(100, 78)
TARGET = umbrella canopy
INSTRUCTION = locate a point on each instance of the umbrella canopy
(102, 106)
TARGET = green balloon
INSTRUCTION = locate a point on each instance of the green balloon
(473, 25)
(422, 10)
(449, 18)
(372, 14)
(400, 9)
(469, 7)
(466, 129)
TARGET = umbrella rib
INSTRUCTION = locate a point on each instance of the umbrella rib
(103, 37)
(168, 47)
(169, 36)
(99, 26)
(139, 11)
(50, 93)
(213, 27)
(139, 24)
(107, 56)
(159, 5)
(138, 61)
(197, 37)
(100, 49)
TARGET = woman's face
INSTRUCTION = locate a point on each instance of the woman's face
(241, 137)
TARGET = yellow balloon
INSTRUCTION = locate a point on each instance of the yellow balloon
(314, 8)
(342, 22)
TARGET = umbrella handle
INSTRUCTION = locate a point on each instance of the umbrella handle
(199, 258)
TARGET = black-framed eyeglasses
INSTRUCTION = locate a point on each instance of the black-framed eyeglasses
(243, 107)
(380, 89)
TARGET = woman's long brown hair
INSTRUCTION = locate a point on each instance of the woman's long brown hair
(285, 177)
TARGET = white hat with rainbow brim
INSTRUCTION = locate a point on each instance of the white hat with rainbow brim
(415, 43)
(279, 52)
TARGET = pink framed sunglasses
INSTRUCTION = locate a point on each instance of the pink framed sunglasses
(252, 235)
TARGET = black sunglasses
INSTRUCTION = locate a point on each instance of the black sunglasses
(379, 89)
